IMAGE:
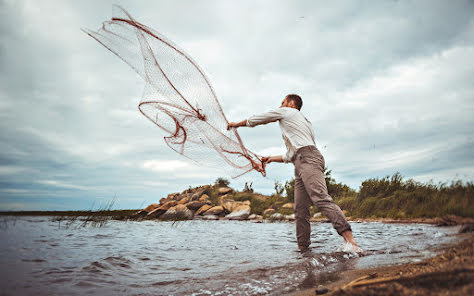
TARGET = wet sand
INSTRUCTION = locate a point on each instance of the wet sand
(450, 273)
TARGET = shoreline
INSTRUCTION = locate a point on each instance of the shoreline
(447, 220)
(451, 272)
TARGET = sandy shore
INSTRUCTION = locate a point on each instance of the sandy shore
(450, 273)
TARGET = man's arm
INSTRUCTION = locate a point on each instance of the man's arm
(264, 118)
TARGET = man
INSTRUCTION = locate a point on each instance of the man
(310, 185)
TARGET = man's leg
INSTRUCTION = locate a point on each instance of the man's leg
(311, 173)
(302, 214)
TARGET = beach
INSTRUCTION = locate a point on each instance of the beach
(449, 273)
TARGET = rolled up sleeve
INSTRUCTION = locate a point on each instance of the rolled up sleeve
(288, 157)
(265, 118)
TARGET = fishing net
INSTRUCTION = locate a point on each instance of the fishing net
(178, 97)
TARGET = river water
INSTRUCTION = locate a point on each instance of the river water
(42, 257)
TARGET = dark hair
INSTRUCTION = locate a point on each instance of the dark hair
(296, 99)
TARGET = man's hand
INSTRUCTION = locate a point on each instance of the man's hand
(268, 159)
(231, 125)
(236, 124)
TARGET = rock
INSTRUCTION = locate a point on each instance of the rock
(173, 196)
(241, 212)
(215, 210)
(223, 198)
(195, 205)
(277, 216)
(178, 212)
(269, 211)
(202, 209)
(198, 192)
(253, 216)
(210, 217)
(321, 290)
(228, 204)
(317, 215)
(465, 228)
(163, 200)
(225, 190)
(182, 196)
(151, 207)
(204, 197)
(162, 209)
(289, 205)
(183, 201)
(290, 217)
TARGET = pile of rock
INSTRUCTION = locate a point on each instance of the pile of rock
(195, 204)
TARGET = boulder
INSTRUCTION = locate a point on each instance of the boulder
(173, 196)
(162, 209)
(163, 200)
(151, 207)
(198, 192)
(195, 205)
(183, 201)
(269, 211)
(178, 212)
(215, 210)
(289, 205)
(255, 217)
(317, 215)
(241, 212)
(290, 217)
(202, 209)
(225, 190)
(465, 228)
(204, 197)
(277, 216)
(210, 217)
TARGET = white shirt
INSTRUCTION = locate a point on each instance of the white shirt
(296, 130)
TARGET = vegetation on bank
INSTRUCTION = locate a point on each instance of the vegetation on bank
(387, 197)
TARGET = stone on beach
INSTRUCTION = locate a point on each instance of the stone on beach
(255, 217)
(242, 212)
(269, 211)
(204, 197)
(199, 192)
(195, 205)
(225, 190)
(210, 217)
(215, 210)
(151, 207)
(183, 201)
(277, 216)
(162, 209)
(202, 209)
(178, 212)
(289, 205)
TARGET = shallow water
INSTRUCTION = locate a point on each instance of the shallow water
(40, 257)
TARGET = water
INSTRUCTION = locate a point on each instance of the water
(195, 257)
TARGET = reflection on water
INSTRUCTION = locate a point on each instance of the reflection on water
(194, 257)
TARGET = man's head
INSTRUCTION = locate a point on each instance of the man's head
(292, 101)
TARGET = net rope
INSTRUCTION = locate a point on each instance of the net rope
(178, 97)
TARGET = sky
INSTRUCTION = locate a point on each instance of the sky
(387, 85)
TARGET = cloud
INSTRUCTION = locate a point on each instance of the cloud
(387, 86)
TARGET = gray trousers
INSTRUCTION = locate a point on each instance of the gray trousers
(310, 188)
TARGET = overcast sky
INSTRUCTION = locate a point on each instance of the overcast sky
(388, 86)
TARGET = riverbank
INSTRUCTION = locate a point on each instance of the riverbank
(449, 273)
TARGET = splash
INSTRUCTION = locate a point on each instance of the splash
(178, 97)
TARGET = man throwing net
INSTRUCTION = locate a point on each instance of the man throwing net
(310, 185)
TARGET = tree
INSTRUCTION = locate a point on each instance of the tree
(221, 182)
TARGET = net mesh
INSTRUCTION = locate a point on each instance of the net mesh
(177, 97)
